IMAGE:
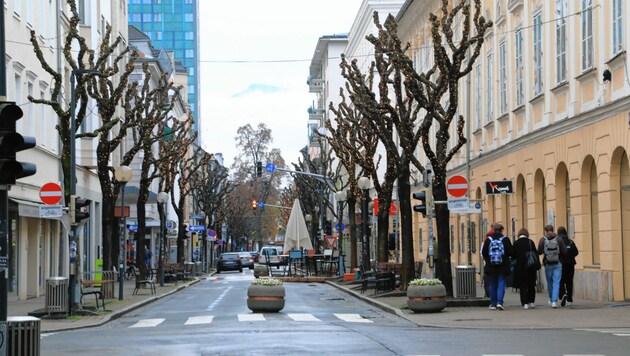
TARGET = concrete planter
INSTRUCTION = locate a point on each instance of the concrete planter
(426, 299)
(261, 271)
(265, 299)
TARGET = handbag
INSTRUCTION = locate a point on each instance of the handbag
(533, 262)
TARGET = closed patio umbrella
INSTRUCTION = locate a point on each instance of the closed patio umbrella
(296, 235)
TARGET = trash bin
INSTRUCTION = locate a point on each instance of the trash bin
(23, 336)
(465, 280)
(197, 268)
(56, 295)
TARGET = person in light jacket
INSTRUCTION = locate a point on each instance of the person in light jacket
(524, 277)
(553, 269)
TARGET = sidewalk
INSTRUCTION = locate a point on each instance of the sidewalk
(474, 313)
(460, 313)
(114, 307)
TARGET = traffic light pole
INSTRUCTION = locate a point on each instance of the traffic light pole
(4, 257)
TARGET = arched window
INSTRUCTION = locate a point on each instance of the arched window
(594, 210)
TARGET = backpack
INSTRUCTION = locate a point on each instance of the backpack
(552, 250)
(496, 250)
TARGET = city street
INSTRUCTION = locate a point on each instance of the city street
(211, 318)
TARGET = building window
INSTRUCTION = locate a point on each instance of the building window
(538, 55)
(502, 79)
(146, 17)
(157, 17)
(189, 18)
(561, 41)
(191, 89)
(478, 93)
(136, 18)
(594, 212)
(489, 87)
(191, 71)
(587, 34)
(518, 50)
(617, 26)
(190, 35)
(189, 53)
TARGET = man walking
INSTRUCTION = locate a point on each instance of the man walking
(552, 247)
(496, 253)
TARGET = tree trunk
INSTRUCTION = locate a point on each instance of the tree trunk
(109, 234)
(181, 235)
(406, 227)
(141, 215)
(443, 258)
(382, 249)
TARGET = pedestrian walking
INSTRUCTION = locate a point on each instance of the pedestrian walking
(568, 267)
(496, 254)
(524, 273)
(552, 247)
(486, 286)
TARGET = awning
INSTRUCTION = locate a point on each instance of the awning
(28, 208)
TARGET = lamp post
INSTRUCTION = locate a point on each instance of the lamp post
(162, 198)
(308, 219)
(123, 175)
(341, 197)
(364, 184)
(73, 187)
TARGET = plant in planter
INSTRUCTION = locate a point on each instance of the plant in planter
(265, 295)
(426, 295)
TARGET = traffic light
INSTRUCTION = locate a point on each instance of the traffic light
(254, 204)
(421, 208)
(328, 227)
(259, 169)
(77, 212)
(12, 142)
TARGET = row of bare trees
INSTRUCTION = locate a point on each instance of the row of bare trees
(138, 113)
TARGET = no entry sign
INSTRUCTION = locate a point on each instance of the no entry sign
(457, 186)
(51, 193)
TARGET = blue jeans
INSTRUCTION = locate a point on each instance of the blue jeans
(497, 288)
(553, 273)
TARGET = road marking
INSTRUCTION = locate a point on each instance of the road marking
(216, 301)
(353, 318)
(147, 323)
(303, 317)
(251, 317)
(195, 320)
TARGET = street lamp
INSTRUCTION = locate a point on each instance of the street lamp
(162, 198)
(364, 184)
(122, 174)
(73, 185)
(341, 197)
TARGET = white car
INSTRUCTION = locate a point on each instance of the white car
(273, 252)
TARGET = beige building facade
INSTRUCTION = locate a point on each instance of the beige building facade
(548, 109)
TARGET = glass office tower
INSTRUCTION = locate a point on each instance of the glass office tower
(173, 25)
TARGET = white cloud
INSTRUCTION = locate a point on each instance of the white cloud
(284, 32)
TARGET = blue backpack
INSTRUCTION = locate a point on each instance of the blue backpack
(496, 250)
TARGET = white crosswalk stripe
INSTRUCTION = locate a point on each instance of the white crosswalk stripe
(303, 317)
(147, 323)
(251, 317)
(353, 318)
(196, 320)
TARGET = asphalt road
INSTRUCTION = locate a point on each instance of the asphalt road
(211, 318)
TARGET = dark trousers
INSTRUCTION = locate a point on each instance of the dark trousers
(527, 286)
(566, 282)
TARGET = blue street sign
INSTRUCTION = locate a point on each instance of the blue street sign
(270, 167)
(132, 227)
(340, 228)
(196, 228)
(477, 205)
(261, 204)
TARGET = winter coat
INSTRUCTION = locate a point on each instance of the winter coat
(572, 251)
(504, 268)
(519, 252)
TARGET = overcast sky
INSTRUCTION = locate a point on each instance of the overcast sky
(254, 63)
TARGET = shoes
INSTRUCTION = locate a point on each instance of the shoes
(526, 306)
(500, 307)
(564, 300)
(549, 302)
(569, 304)
(492, 307)
(554, 305)
(532, 305)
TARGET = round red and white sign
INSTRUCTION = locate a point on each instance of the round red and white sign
(457, 186)
(51, 193)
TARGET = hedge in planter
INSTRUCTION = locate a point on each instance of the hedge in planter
(265, 295)
(426, 295)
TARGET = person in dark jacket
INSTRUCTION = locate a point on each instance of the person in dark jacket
(553, 269)
(524, 277)
(486, 283)
(497, 273)
(568, 267)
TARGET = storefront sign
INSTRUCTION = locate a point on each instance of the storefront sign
(499, 187)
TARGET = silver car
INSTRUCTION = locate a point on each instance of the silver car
(247, 259)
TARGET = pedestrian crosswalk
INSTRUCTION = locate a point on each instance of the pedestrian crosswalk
(259, 317)
(623, 332)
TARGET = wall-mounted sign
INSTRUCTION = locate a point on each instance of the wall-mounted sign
(499, 187)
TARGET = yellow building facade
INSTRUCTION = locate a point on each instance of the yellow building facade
(548, 109)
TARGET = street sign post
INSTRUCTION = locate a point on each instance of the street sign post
(51, 193)
(457, 186)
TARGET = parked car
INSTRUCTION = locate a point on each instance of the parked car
(273, 252)
(255, 255)
(247, 259)
(229, 261)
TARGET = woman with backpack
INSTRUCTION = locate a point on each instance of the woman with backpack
(552, 247)
(568, 267)
(496, 253)
(525, 274)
